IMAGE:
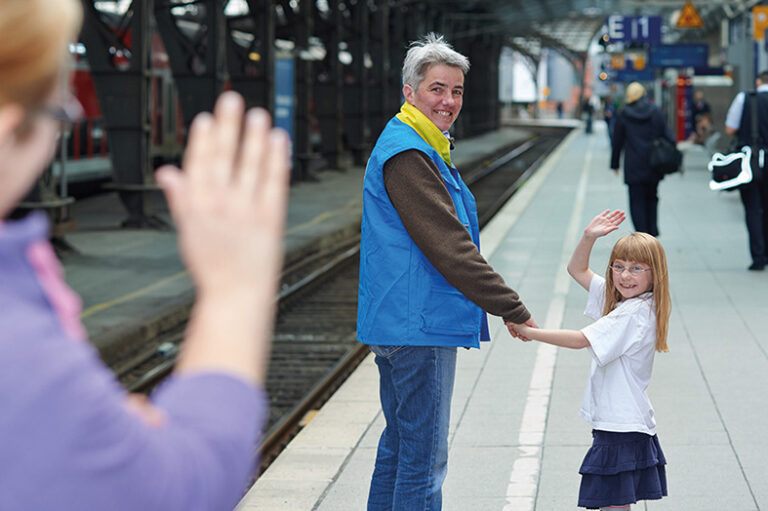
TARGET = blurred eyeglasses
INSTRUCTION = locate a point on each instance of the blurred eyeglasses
(69, 111)
(633, 270)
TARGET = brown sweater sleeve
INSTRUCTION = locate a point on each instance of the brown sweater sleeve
(418, 192)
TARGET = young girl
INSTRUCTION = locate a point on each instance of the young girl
(631, 307)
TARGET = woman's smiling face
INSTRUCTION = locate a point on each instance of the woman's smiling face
(439, 96)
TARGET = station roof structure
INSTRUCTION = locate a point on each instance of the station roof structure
(569, 26)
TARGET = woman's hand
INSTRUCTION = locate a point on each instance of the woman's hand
(229, 201)
(229, 207)
(604, 223)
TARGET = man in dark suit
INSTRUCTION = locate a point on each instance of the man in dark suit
(754, 195)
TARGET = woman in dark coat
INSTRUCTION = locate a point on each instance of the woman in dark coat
(637, 125)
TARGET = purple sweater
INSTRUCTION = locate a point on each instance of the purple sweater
(67, 439)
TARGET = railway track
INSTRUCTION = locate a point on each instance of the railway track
(314, 345)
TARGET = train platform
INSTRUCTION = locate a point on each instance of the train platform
(516, 438)
(133, 283)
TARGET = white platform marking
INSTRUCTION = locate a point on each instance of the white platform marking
(523, 481)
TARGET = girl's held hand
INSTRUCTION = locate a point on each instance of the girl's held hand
(604, 223)
(522, 331)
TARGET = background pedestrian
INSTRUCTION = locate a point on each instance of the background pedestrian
(637, 125)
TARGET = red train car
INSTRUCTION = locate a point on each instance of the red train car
(84, 154)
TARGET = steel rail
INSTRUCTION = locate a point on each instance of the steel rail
(509, 192)
(282, 432)
(499, 162)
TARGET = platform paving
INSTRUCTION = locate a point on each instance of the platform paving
(516, 438)
(133, 283)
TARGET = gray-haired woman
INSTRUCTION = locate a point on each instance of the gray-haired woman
(424, 286)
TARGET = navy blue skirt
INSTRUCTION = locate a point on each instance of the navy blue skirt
(622, 468)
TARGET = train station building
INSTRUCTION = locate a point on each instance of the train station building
(547, 80)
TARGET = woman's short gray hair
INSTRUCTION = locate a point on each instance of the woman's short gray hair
(428, 51)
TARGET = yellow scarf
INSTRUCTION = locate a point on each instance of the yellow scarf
(427, 130)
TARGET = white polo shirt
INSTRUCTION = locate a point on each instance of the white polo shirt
(623, 344)
(733, 118)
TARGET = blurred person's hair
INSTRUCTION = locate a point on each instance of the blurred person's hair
(635, 91)
(34, 45)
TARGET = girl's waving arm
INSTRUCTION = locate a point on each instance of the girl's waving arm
(602, 224)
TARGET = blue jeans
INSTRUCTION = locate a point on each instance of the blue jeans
(416, 385)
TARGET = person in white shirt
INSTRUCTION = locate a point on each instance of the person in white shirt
(631, 306)
(754, 195)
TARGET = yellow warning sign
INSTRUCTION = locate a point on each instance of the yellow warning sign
(759, 21)
(689, 17)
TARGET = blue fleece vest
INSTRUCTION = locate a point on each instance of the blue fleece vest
(403, 299)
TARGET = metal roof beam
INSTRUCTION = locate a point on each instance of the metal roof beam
(531, 59)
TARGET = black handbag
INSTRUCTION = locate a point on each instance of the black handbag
(730, 170)
(665, 158)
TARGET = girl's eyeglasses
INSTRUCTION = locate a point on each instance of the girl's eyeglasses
(633, 270)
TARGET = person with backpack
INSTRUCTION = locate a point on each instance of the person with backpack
(636, 127)
(754, 195)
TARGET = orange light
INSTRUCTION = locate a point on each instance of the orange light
(603, 75)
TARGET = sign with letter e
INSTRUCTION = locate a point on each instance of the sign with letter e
(634, 29)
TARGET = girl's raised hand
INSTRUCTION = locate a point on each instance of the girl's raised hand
(604, 223)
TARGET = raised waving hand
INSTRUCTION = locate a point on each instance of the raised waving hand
(604, 223)
(229, 207)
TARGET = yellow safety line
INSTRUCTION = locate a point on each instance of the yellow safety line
(314, 221)
(101, 306)
(321, 217)
(106, 305)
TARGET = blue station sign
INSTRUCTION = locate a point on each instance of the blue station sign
(634, 29)
(678, 55)
(634, 75)
(284, 110)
